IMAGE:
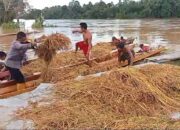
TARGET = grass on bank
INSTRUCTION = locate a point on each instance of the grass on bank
(39, 22)
(10, 25)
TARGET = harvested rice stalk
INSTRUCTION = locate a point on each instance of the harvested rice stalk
(48, 47)
(120, 99)
(50, 44)
(68, 58)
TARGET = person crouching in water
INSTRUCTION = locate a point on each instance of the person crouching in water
(144, 48)
(15, 58)
(125, 53)
(86, 44)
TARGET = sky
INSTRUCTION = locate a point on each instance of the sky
(40, 4)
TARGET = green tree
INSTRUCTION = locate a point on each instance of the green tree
(11, 9)
(102, 10)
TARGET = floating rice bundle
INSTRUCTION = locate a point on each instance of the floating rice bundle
(120, 99)
(50, 44)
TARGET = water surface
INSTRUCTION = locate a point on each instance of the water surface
(155, 32)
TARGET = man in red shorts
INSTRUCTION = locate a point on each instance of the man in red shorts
(86, 44)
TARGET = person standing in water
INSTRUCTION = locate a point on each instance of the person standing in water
(86, 44)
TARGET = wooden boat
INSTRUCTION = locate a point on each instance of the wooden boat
(113, 56)
(9, 88)
(143, 56)
(12, 34)
(138, 57)
(113, 63)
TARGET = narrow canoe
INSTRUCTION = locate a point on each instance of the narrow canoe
(112, 63)
(9, 88)
(113, 56)
(12, 34)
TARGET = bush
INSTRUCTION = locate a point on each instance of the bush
(38, 23)
(10, 25)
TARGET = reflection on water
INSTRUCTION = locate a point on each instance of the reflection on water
(154, 32)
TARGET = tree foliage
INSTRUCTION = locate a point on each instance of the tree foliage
(101, 10)
(10, 9)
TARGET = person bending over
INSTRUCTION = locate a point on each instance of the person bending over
(15, 58)
(124, 53)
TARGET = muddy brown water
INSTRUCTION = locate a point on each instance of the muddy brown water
(165, 32)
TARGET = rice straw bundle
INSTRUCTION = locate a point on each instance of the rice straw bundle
(120, 99)
(54, 74)
(50, 44)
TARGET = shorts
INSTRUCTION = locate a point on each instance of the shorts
(83, 46)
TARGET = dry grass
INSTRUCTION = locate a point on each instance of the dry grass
(120, 99)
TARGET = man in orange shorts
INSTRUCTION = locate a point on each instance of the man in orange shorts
(86, 44)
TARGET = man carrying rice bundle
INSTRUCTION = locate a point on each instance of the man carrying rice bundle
(16, 57)
(86, 44)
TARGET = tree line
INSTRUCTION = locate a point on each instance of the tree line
(100, 10)
(14, 9)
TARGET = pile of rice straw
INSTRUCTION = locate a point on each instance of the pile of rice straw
(55, 74)
(50, 44)
(125, 98)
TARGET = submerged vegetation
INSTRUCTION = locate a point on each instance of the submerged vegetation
(10, 25)
(101, 10)
(39, 22)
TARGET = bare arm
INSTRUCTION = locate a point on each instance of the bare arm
(77, 31)
(131, 55)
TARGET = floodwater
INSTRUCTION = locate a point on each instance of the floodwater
(150, 31)
(8, 107)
